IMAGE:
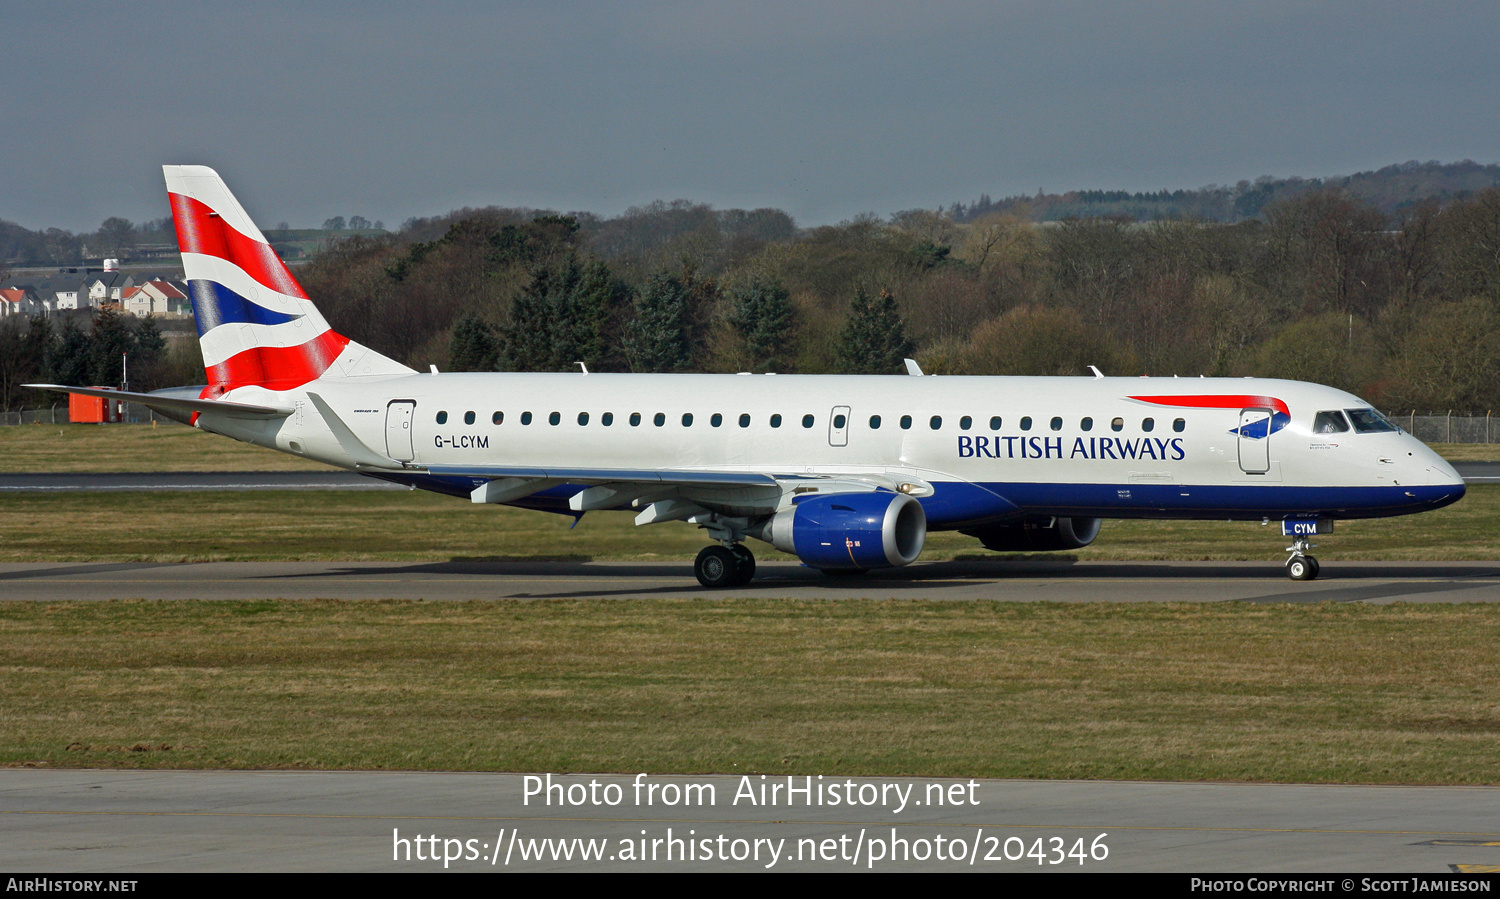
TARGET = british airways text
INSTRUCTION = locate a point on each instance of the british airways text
(1053, 448)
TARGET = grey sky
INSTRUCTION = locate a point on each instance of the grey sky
(826, 110)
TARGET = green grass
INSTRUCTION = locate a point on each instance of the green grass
(1328, 693)
(414, 525)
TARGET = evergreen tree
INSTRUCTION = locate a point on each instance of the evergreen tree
(528, 340)
(110, 341)
(23, 350)
(566, 315)
(70, 356)
(874, 341)
(656, 339)
(472, 346)
(588, 314)
(762, 313)
(149, 357)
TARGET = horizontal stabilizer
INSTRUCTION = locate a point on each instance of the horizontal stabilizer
(176, 403)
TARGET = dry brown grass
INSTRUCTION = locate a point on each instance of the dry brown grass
(1347, 693)
(164, 447)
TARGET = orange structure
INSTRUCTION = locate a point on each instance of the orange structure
(94, 408)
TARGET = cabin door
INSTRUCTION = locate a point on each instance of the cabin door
(1255, 441)
(838, 426)
(398, 419)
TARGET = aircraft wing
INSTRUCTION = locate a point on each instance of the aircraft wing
(607, 475)
(661, 494)
(165, 404)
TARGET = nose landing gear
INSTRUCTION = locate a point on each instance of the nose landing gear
(1299, 565)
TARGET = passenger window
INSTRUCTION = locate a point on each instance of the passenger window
(716, 420)
(994, 423)
(498, 418)
(554, 419)
(936, 422)
(659, 419)
(906, 422)
(583, 418)
(744, 421)
(442, 418)
(874, 422)
(1117, 424)
(1087, 424)
(468, 418)
(1026, 423)
(525, 418)
(807, 421)
(776, 420)
(1178, 425)
(840, 421)
(635, 419)
(1148, 424)
(607, 419)
(1056, 423)
(687, 419)
(1330, 423)
(965, 423)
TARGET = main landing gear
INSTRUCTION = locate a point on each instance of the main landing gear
(1299, 565)
(724, 566)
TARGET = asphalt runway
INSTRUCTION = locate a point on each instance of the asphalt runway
(332, 479)
(147, 821)
(1053, 581)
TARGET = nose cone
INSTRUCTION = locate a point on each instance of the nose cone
(1440, 473)
(1444, 484)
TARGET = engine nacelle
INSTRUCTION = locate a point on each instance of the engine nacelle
(850, 530)
(1038, 534)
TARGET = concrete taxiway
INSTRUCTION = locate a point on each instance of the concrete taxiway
(145, 821)
(1055, 581)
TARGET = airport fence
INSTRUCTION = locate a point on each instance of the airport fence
(1429, 427)
(57, 414)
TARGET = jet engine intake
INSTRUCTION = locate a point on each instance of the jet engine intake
(844, 531)
(1037, 534)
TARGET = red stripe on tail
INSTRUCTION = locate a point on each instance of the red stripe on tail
(200, 230)
(277, 368)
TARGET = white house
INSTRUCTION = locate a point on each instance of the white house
(20, 300)
(157, 297)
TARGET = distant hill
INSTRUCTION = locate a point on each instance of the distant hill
(1392, 190)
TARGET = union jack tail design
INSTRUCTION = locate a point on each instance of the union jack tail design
(255, 323)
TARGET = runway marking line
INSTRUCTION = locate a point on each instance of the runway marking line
(729, 821)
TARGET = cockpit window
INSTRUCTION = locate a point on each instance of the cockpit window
(1368, 421)
(1330, 423)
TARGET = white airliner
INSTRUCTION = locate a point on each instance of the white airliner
(848, 473)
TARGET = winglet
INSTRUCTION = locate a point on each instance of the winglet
(912, 368)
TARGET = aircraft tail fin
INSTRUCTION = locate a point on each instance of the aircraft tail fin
(255, 322)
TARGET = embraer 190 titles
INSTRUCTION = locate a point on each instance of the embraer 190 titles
(847, 473)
